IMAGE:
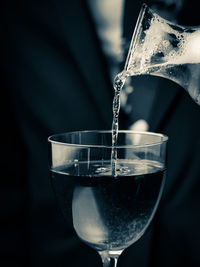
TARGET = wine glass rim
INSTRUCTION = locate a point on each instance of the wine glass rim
(163, 139)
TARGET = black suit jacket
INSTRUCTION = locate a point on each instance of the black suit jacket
(55, 79)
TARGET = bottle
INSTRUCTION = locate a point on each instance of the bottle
(162, 48)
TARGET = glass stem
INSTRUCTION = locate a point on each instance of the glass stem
(108, 259)
(109, 262)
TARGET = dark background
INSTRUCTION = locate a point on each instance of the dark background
(54, 78)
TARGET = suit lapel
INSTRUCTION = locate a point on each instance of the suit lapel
(83, 44)
(167, 95)
(85, 48)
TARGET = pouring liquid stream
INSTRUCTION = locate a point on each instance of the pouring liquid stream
(119, 82)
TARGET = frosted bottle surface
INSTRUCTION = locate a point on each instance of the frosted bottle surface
(164, 49)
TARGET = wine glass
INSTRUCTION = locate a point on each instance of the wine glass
(109, 213)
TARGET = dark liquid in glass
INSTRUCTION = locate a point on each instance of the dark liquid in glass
(109, 212)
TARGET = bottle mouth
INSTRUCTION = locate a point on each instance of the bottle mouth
(136, 33)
